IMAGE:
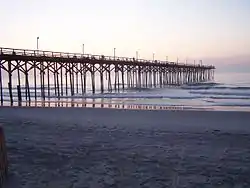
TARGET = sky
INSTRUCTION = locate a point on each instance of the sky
(184, 29)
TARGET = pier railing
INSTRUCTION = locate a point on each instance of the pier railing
(53, 54)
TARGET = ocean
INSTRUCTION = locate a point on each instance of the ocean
(229, 91)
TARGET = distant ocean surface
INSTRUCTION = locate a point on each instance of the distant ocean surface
(229, 91)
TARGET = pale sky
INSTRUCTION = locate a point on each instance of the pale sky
(173, 28)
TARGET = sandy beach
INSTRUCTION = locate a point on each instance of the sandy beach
(92, 147)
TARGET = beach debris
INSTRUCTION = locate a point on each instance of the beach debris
(3, 158)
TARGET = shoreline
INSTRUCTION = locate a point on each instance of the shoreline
(123, 105)
(188, 120)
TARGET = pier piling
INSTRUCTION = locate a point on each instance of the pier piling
(3, 158)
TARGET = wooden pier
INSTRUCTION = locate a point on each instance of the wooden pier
(58, 74)
(3, 158)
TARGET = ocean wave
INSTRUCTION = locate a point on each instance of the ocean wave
(97, 96)
(216, 88)
(219, 93)
(231, 104)
(135, 97)
(227, 97)
(206, 95)
(204, 84)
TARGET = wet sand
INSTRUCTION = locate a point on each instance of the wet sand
(88, 147)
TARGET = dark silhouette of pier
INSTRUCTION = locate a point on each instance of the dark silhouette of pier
(66, 73)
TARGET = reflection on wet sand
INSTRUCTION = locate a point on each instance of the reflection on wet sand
(101, 104)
